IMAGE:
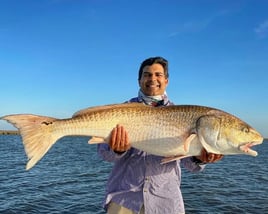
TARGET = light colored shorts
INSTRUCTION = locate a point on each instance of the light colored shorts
(114, 208)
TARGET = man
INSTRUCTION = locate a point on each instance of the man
(138, 182)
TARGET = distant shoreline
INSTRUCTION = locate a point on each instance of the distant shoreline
(9, 132)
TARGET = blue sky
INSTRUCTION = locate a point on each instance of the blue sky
(59, 56)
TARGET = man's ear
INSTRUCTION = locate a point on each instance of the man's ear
(167, 81)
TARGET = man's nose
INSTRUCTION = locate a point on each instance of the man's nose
(152, 77)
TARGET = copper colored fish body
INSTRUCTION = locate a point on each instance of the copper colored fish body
(173, 132)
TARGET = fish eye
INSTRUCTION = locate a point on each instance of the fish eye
(245, 129)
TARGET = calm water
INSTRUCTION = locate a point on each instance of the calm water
(71, 179)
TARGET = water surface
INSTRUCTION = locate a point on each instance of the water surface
(71, 179)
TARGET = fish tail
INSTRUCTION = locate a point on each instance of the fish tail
(37, 135)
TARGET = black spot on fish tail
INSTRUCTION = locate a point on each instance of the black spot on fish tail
(47, 123)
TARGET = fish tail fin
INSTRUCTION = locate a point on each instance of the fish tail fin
(36, 132)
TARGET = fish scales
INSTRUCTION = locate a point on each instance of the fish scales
(136, 120)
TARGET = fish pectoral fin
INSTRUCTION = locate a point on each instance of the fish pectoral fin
(173, 158)
(186, 148)
(96, 140)
(208, 129)
(186, 144)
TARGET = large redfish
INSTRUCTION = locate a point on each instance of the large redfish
(172, 131)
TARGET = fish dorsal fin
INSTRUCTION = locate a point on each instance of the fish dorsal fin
(107, 107)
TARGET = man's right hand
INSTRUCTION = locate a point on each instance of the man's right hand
(119, 141)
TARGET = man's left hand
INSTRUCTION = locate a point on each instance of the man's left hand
(207, 157)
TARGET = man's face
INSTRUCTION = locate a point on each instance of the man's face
(153, 80)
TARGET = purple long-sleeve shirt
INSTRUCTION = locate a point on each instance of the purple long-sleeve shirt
(138, 179)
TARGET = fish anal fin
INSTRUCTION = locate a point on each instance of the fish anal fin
(96, 140)
(173, 158)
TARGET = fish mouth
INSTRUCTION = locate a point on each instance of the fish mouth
(246, 148)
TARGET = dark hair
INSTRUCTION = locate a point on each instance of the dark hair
(154, 60)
